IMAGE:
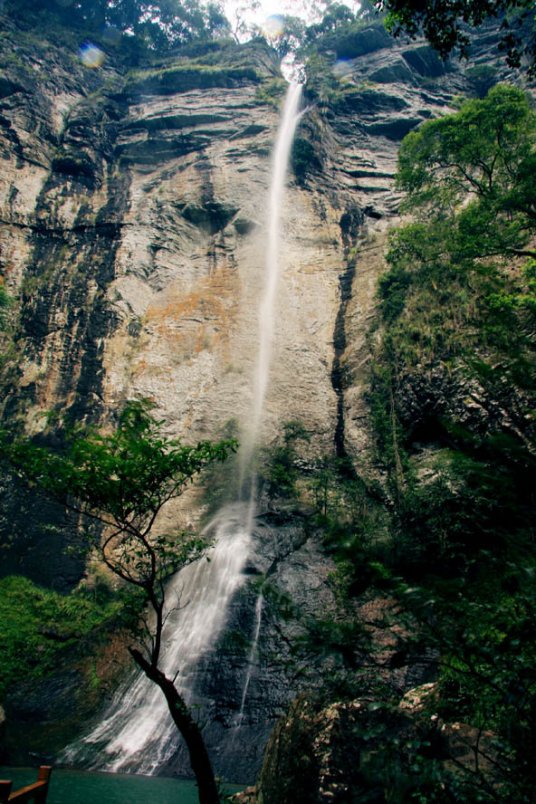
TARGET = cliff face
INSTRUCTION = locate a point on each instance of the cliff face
(137, 241)
(133, 234)
(133, 225)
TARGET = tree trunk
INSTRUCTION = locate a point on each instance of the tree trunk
(201, 765)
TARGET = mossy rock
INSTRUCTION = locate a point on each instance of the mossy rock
(305, 159)
(155, 150)
(10, 87)
(185, 78)
(74, 163)
(368, 100)
(425, 61)
(394, 129)
(211, 216)
(358, 43)
(271, 92)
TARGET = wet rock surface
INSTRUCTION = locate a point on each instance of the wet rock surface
(246, 681)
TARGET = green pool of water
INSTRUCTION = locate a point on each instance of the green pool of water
(80, 787)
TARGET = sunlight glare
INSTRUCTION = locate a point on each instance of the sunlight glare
(91, 56)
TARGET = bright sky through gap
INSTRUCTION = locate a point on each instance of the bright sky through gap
(267, 8)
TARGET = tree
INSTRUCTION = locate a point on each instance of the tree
(337, 15)
(444, 23)
(288, 36)
(241, 27)
(468, 182)
(122, 480)
(458, 334)
(478, 164)
(155, 24)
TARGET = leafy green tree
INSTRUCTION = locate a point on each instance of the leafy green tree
(122, 480)
(337, 15)
(458, 306)
(485, 152)
(452, 294)
(290, 36)
(444, 23)
(155, 24)
(240, 26)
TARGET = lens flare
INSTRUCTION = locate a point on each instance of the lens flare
(273, 26)
(342, 69)
(91, 56)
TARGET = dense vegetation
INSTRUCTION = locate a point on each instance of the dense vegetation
(452, 399)
(159, 25)
(41, 629)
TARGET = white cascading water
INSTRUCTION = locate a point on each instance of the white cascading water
(280, 161)
(252, 656)
(137, 733)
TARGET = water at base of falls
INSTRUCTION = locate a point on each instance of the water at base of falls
(81, 787)
(137, 732)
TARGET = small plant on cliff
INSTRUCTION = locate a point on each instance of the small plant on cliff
(123, 480)
(280, 472)
(4, 303)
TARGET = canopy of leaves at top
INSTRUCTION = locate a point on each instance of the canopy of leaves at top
(485, 152)
(156, 24)
(444, 23)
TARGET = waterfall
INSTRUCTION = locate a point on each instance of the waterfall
(280, 160)
(137, 733)
(252, 656)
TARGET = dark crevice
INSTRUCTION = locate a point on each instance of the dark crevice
(350, 223)
(109, 228)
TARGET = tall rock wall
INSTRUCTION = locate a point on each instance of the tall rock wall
(133, 235)
(133, 226)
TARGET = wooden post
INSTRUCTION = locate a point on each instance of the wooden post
(43, 776)
(5, 790)
(36, 792)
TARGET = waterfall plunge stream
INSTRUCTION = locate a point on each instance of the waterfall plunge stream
(280, 160)
(137, 733)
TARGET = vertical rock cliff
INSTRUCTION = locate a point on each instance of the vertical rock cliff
(132, 232)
